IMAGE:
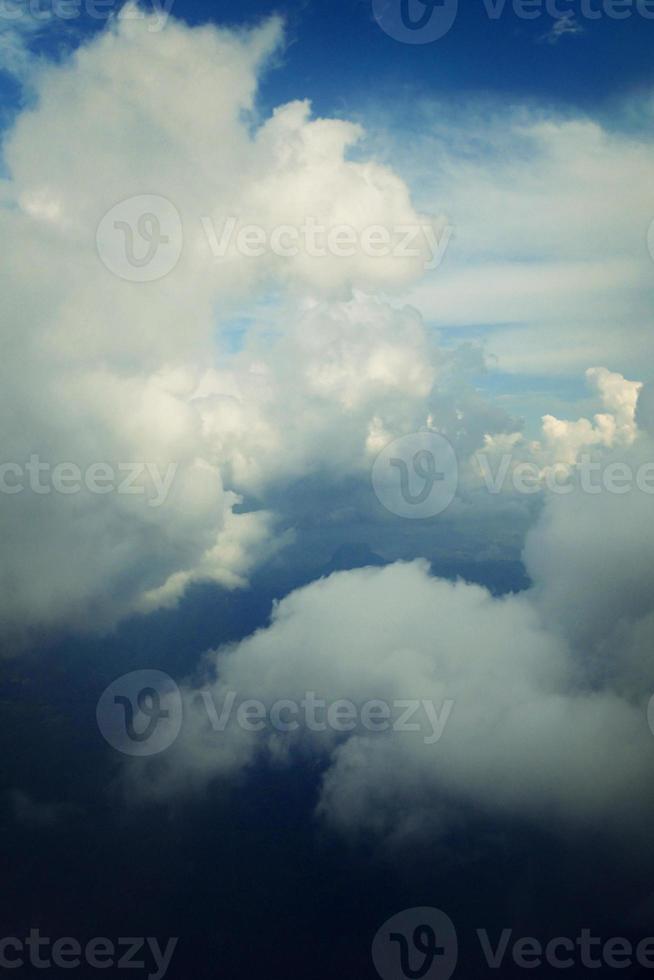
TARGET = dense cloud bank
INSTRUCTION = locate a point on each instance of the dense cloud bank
(540, 699)
(101, 371)
(549, 688)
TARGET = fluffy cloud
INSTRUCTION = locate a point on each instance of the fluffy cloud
(532, 731)
(565, 444)
(277, 409)
(565, 440)
(100, 370)
(548, 688)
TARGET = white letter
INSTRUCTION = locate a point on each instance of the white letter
(219, 248)
(494, 957)
(218, 723)
(159, 960)
(161, 486)
(437, 246)
(17, 471)
(493, 484)
(438, 722)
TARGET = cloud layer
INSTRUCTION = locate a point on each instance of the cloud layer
(99, 370)
(549, 688)
(242, 377)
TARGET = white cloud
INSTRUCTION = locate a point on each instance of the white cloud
(98, 369)
(550, 687)
(550, 214)
(549, 717)
(564, 443)
(533, 731)
(563, 25)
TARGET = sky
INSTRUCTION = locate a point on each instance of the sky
(326, 488)
(339, 57)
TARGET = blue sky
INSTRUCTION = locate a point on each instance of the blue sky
(337, 53)
(338, 47)
(338, 56)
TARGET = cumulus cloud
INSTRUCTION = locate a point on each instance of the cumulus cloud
(100, 370)
(565, 440)
(564, 444)
(529, 732)
(548, 688)
(273, 413)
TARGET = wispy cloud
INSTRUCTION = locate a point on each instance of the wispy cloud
(565, 24)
